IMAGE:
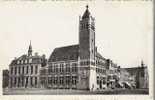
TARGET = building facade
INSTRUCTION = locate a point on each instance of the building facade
(24, 72)
(78, 66)
(5, 78)
(139, 75)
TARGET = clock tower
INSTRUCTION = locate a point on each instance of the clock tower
(87, 70)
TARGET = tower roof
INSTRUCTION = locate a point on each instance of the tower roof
(86, 13)
(30, 50)
(30, 46)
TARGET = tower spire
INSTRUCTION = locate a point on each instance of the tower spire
(142, 63)
(86, 13)
(30, 49)
(87, 6)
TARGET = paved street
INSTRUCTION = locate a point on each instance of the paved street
(70, 92)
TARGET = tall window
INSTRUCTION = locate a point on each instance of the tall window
(27, 70)
(98, 80)
(61, 67)
(23, 70)
(74, 80)
(67, 67)
(19, 70)
(11, 70)
(15, 82)
(15, 70)
(61, 80)
(67, 80)
(50, 80)
(36, 69)
(31, 81)
(31, 69)
(35, 80)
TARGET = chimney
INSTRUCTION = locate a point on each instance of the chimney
(36, 53)
(43, 56)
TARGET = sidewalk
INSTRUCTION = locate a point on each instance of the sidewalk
(35, 91)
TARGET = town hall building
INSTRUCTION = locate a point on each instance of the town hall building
(79, 66)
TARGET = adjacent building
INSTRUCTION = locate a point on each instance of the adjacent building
(5, 78)
(139, 75)
(24, 71)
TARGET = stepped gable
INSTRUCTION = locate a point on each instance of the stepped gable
(65, 53)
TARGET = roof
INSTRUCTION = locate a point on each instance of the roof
(134, 70)
(99, 56)
(35, 59)
(86, 13)
(65, 53)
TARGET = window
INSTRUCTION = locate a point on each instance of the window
(97, 70)
(74, 69)
(61, 80)
(98, 81)
(23, 70)
(31, 69)
(11, 70)
(30, 60)
(67, 67)
(31, 81)
(36, 69)
(57, 70)
(18, 62)
(27, 70)
(15, 81)
(21, 61)
(61, 67)
(67, 80)
(92, 27)
(56, 80)
(11, 81)
(19, 70)
(15, 70)
(74, 80)
(92, 51)
(50, 80)
(25, 61)
(22, 81)
(142, 74)
(35, 80)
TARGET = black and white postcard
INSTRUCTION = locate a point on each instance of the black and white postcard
(76, 49)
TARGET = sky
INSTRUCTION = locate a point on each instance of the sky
(123, 29)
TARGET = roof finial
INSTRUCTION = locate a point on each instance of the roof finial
(87, 6)
(30, 49)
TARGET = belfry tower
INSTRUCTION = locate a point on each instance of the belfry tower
(87, 71)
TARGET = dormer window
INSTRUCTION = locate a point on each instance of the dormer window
(25, 61)
(18, 62)
(21, 61)
(30, 60)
